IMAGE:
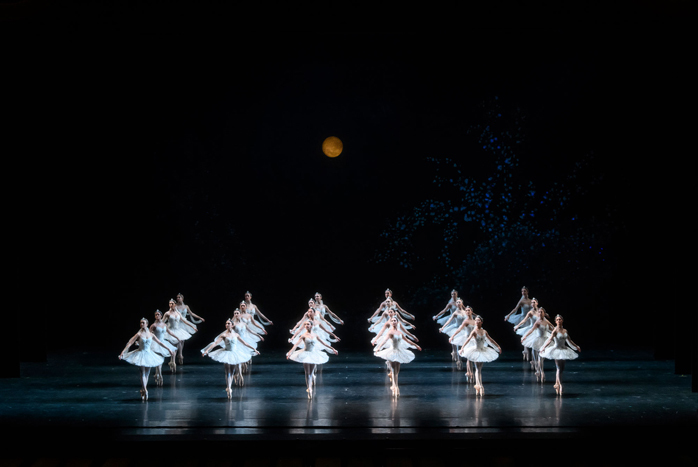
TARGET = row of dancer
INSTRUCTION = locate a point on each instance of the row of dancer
(538, 333)
(165, 338)
(468, 339)
(393, 341)
(312, 338)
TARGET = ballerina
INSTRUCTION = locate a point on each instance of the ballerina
(525, 324)
(389, 312)
(310, 355)
(232, 355)
(524, 305)
(534, 340)
(163, 348)
(323, 334)
(325, 309)
(178, 333)
(254, 311)
(458, 338)
(396, 353)
(384, 305)
(402, 326)
(186, 312)
(484, 350)
(315, 314)
(144, 357)
(451, 307)
(450, 325)
(560, 351)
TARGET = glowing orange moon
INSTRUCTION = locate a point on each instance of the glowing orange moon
(332, 146)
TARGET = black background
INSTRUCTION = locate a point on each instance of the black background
(144, 160)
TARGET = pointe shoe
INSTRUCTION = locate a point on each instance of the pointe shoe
(229, 393)
(557, 388)
(482, 390)
(173, 367)
(314, 378)
(560, 390)
(459, 365)
(525, 356)
(542, 377)
(477, 389)
(180, 360)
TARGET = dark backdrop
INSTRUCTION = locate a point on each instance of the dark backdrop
(153, 165)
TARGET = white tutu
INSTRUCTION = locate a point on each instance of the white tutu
(526, 327)
(515, 318)
(166, 347)
(396, 351)
(462, 336)
(185, 315)
(144, 356)
(537, 338)
(454, 324)
(481, 352)
(233, 353)
(175, 326)
(558, 349)
(309, 353)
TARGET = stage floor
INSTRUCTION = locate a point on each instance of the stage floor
(94, 397)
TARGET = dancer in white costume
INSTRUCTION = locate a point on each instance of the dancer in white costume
(483, 351)
(254, 311)
(458, 338)
(402, 326)
(560, 351)
(522, 307)
(384, 305)
(252, 326)
(323, 334)
(164, 348)
(534, 340)
(186, 312)
(451, 307)
(310, 355)
(177, 326)
(231, 355)
(144, 357)
(396, 353)
(453, 323)
(325, 309)
(244, 331)
(384, 318)
(525, 325)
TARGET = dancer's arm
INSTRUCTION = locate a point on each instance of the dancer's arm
(375, 313)
(473, 332)
(487, 336)
(385, 339)
(163, 345)
(411, 336)
(572, 344)
(548, 341)
(438, 315)
(518, 305)
(412, 343)
(194, 315)
(460, 328)
(264, 318)
(212, 344)
(528, 315)
(332, 314)
(404, 313)
(130, 343)
(450, 318)
(328, 332)
(328, 346)
(242, 341)
(385, 326)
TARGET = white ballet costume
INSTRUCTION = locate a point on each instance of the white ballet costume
(246, 335)
(451, 309)
(482, 352)
(528, 324)
(396, 351)
(166, 347)
(175, 326)
(323, 310)
(185, 315)
(462, 336)
(380, 313)
(310, 353)
(252, 310)
(537, 338)
(144, 355)
(515, 318)
(233, 353)
(559, 349)
(455, 324)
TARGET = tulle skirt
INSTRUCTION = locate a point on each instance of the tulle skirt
(146, 358)
(309, 356)
(554, 353)
(479, 355)
(232, 357)
(392, 354)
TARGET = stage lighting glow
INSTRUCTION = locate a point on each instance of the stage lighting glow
(332, 146)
